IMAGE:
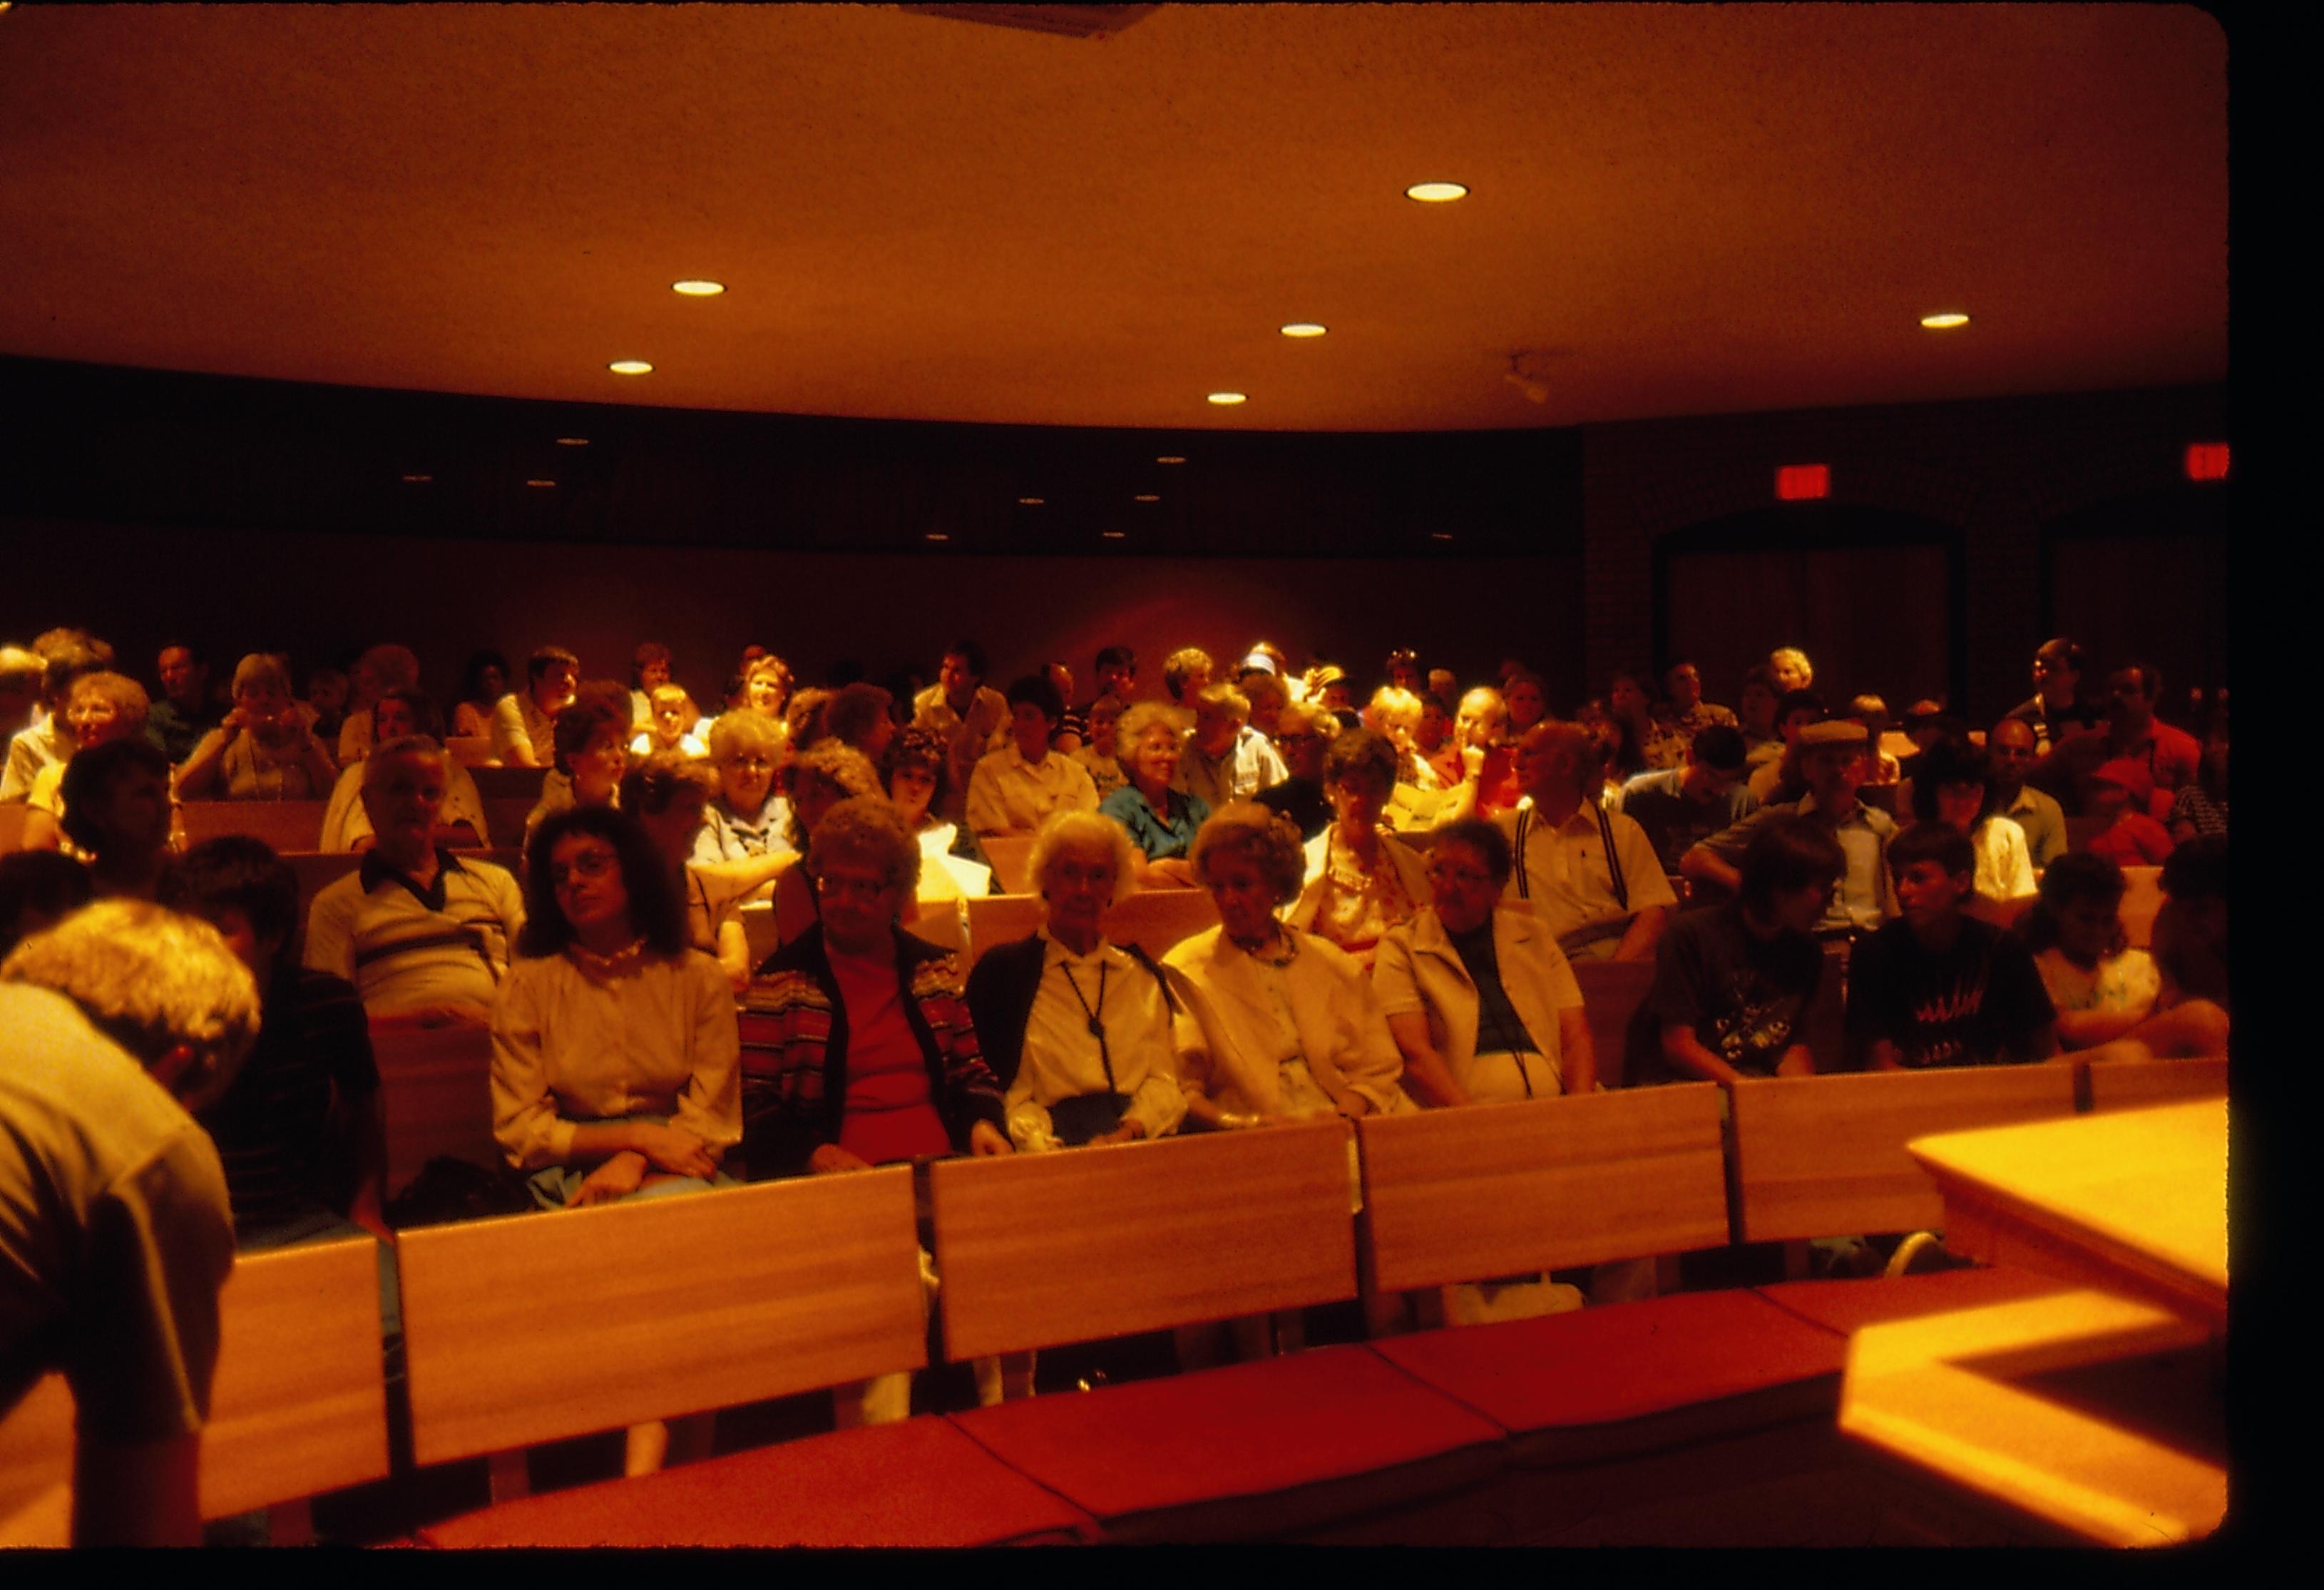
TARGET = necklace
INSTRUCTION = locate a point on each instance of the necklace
(597, 965)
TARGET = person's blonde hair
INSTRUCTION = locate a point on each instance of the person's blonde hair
(1072, 827)
(259, 668)
(1392, 703)
(870, 827)
(153, 981)
(1246, 828)
(1219, 694)
(742, 731)
(1140, 718)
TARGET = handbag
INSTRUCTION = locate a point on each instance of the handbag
(1075, 1121)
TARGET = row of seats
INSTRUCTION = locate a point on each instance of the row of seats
(1571, 1427)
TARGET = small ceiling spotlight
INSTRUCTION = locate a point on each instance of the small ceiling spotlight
(695, 288)
(629, 367)
(1227, 400)
(1437, 192)
(1945, 320)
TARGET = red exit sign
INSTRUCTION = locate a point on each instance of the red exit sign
(2207, 461)
(1802, 482)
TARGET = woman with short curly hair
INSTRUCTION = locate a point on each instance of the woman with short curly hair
(1162, 822)
(1361, 880)
(1279, 1023)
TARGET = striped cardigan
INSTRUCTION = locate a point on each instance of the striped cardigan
(794, 1031)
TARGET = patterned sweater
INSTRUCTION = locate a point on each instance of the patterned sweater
(794, 1030)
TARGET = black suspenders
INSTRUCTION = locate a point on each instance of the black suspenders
(1605, 837)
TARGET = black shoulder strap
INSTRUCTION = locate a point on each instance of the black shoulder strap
(1613, 862)
(1524, 882)
(1137, 953)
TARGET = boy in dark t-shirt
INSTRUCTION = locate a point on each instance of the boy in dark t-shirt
(1733, 985)
(1937, 988)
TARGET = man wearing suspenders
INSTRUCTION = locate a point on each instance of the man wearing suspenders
(1590, 874)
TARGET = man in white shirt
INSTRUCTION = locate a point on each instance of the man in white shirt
(524, 727)
(1019, 787)
(424, 936)
(1590, 874)
(1226, 760)
(1832, 758)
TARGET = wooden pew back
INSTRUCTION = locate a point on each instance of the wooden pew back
(1825, 1156)
(436, 1092)
(542, 1326)
(998, 919)
(1013, 862)
(1454, 1195)
(286, 825)
(12, 826)
(505, 815)
(2141, 1084)
(1611, 993)
(1155, 920)
(1041, 1249)
(298, 1405)
(471, 750)
(509, 783)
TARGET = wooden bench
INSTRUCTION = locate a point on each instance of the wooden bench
(1825, 1156)
(542, 1326)
(1612, 993)
(1152, 919)
(504, 815)
(436, 1094)
(471, 750)
(2141, 1084)
(286, 825)
(1095, 1242)
(998, 919)
(297, 1408)
(513, 783)
(12, 825)
(1011, 857)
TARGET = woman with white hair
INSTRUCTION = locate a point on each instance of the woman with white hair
(1160, 820)
(264, 750)
(1077, 1028)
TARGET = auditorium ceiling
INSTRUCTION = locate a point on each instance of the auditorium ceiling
(1672, 210)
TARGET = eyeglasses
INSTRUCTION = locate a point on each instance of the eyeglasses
(864, 888)
(1459, 877)
(753, 764)
(587, 864)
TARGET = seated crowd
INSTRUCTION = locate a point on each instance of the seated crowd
(1402, 890)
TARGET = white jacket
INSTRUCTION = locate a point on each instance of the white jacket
(1225, 1026)
(1418, 971)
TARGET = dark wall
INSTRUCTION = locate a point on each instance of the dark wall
(246, 513)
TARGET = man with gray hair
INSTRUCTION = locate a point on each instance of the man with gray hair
(422, 934)
(1591, 874)
(1226, 760)
(116, 1231)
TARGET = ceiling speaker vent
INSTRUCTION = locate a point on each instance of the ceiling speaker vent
(1074, 21)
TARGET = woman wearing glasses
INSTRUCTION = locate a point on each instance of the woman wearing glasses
(1361, 880)
(746, 818)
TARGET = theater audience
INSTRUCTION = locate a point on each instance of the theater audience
(1099, 757)
(1831, 759)
(589, 743)
(398, 715)
(803, 717)
(38, 889)
(2108, 995)
(1183, 672)
(2190, 930)
(1872, 711)
(264, 750)
(668, 792)
(1224, 757)
(115, 1025)
(65, 656)
(1733, 985)
(1436, 755)
(1789, 668)
(1076, 1028)
(1590, 874)
(767, 685)
(380, 669)
(100, 707)
(186, 710)
(1680, 807)
(971, 716)
(1073, 728)
(1684, 713)
(1275, 1023)
(1019, 787)
(524, 724)
(1755, 714)
(299, 1131)
(1160, 819)
(1955, 787)
(1303, 737)
(1939, 988)
(1360, 881)
(2056, 710)
(1404, 672)
(2199, 811)
(324, 707)
(1526, 701)
(649, 672)
(1489, 781)
(21, 675)
(1481, 1001)
(1115, 673)
(1628, 711)
(1268, 695)
(423, 935)
(823, 775)
(2009, 748)
(861, 715)
(2127, 835)
(2164, 761)
(115, 798)
(481, 684)
(669, 725)
(746, 818)
(1775, 778)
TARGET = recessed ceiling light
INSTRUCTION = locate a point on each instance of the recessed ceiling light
(1303, 329)
(1227, 400)
(629, 367)
(419, 480)
(1440, 535)
(541, 482)
(694, 287)
(938, 536)
(573, 441)
(1170, 458)
(1114, 535)
(1030, 501)
(1437, 192)
(1147, 497)
(1945, 321)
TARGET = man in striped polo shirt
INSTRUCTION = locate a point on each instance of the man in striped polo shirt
(423, 935)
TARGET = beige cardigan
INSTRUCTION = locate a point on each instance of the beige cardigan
(1418, 971)
(1225, 1026)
